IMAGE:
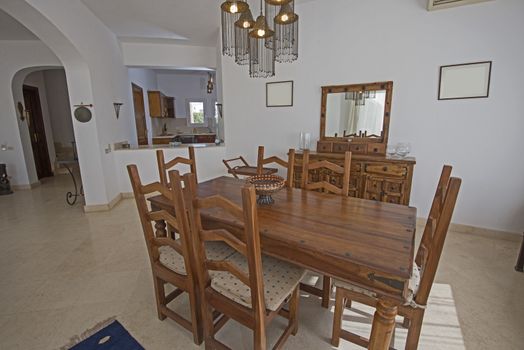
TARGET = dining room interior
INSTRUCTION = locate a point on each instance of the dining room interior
(285, 174)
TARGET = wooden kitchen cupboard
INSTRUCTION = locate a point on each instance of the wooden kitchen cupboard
(160, 105)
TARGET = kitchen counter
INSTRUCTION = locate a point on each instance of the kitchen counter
(185, 138)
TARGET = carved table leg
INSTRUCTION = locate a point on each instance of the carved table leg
(383, 325)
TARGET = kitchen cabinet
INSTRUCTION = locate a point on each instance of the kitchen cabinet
(160, 105)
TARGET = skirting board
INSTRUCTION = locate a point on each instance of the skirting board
(103, 207)
(25, 187)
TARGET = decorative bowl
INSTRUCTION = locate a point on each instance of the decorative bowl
(265, 186)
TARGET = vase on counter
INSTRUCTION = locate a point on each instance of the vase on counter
(304, 141)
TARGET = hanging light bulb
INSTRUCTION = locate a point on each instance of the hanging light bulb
(261, 58)
(231, 11)
(286, 34)
(242, 27)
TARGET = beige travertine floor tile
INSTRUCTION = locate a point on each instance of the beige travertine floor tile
(63, 271)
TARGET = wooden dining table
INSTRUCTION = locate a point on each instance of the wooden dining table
(369, 244)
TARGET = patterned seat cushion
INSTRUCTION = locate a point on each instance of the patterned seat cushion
(280, 279)
(413, 285)
(175, 262)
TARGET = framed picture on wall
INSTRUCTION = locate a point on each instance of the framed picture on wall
(279, 94)
(468, 80)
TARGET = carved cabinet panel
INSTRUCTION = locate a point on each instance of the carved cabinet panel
(372, 177)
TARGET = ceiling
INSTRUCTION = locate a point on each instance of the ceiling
(11, 29)
(192, 22)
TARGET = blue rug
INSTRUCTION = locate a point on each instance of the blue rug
(108, 335)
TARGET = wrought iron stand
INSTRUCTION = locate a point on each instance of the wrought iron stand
(71, 197)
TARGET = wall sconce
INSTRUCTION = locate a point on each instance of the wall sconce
(210, 84)
(24, 113)
(117, 106)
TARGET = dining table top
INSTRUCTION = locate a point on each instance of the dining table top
(367, 243)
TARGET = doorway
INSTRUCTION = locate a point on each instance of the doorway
(140, 114)
(37, 131)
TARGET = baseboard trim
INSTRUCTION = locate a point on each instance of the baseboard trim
(103, 207)
(126, 195)
(475, 230)
(26, 186)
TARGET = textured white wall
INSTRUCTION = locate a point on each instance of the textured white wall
(344, 42)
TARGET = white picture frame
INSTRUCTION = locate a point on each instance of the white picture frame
(279, 94)
(461, 81)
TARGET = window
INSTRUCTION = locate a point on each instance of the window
(196, 112)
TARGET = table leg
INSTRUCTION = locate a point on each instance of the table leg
(383, 325)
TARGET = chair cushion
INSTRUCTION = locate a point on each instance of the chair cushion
(280, 279)
(175, 262)
(413, 285)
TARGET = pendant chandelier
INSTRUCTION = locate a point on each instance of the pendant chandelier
(272, 37)
(242, 28)
(272, 8)
(231, 12)
(286, 34)
(261, 58)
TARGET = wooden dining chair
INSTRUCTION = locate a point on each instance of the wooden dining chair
(163, 166)
(325, 186)
(170, 258)
(423, 274)
(289, 164)
(247, 287)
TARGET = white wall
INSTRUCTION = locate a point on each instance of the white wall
(208, 160)
(37, 79)
(59, 107)
(16, 55)
(146, 79)
(168, 55)
(378, 40)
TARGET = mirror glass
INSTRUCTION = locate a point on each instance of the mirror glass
(355, 113)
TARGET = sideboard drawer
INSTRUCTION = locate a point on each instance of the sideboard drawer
(358, 148)
(340, 147)
(387, 169)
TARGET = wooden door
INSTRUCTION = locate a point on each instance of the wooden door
(140, 114)
(35, 122)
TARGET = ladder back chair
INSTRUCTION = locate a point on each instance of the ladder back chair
(289, 164)
(164, 166)
(247, 287)
(169, 258)
(324, 185)
(424, 270)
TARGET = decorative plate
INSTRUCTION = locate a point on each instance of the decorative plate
(83, 114)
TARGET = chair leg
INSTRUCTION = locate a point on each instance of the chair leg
(196, 319)
(337, 318)
(326, 291)
(414, 330)
(208, 325)
(160, 296)
(293, 310)
(259, 339)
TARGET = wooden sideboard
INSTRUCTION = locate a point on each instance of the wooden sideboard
(380, 178)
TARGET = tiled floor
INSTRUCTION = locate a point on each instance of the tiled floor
(63, 271)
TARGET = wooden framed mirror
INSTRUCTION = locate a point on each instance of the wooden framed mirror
(355, 118)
